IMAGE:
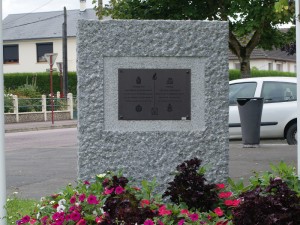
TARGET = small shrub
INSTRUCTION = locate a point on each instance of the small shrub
(8, 103)
(190, 186)
(276, 204)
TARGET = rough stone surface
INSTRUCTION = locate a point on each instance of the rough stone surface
(152, 153)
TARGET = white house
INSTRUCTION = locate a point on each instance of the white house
(27, 37)
(267, 60)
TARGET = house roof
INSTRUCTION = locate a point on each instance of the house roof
(275, 54)
(43, 25)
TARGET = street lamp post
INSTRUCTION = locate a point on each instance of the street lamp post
(51, 57)
(60, 68)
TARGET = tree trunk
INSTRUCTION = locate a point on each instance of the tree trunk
(245, 67)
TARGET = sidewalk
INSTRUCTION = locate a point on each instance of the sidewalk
(34, 126)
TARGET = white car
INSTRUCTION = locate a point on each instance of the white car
(279, 115)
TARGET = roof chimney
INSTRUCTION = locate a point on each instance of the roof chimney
(82, 5)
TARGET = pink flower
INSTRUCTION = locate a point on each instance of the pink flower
(92, 199)
(194, 217)
(26, 219)
(145, 202)
(86, 182)
(81, 222)
(108, 191)
(222, 222)
(148, 222)
(180, 222)
(58, 215)
(98, 220)
(32, 221)
(220, 186)
(75, 216)
(44, 219)
(233, 203)
(225, 194)
(81, 197)
(218, 211)
(185, 212)
(73, 199)
(136, 188)
(160, 223)
(119, 190)
(162, 211)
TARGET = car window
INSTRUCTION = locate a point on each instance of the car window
(241, 90)
(279, 91)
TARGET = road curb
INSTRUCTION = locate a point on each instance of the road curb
(14, 130)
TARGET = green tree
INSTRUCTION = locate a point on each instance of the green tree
(252, 23)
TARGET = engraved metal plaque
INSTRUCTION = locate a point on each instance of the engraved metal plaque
(154, 94)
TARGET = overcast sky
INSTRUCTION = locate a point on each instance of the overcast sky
(28, 6)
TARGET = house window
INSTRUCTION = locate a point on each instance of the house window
(279, 67)
(42, 49)
(10, 54)
(237, 66)
(270, 66)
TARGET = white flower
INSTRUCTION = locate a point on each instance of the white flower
(101, 175)
(52, 202)
(38, 215)
(62, 202)
(43, 199)
(60, 208)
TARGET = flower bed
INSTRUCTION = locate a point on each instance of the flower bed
(271, 198)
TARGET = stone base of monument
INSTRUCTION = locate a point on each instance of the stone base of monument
(152, 94)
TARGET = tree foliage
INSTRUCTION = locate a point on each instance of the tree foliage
(252, 23)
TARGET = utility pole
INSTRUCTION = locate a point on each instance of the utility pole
(297, 11)
(65, 54)
(2, 153)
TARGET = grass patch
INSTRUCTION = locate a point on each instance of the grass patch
(16, 208)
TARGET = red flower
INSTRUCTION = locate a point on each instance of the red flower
(148, 222)
(92, 199)
(194, 217)
(218, 211)
(81, 222)
(222, 222)
(184, 211)
(55, 206)
(86, 182)
(163, 211)
(220, 186)
(119, 190)
(233, 203)
(225, 194)
(145, 202)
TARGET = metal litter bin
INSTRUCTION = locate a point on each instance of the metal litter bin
(250, 110)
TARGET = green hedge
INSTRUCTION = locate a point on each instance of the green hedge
(14, 80)
(42, 81)
(235, 74)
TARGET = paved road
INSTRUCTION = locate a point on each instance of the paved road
(40, 162)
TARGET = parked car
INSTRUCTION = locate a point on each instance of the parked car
(279, 115)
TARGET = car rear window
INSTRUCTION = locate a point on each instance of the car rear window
(279, 91)
(241, 90)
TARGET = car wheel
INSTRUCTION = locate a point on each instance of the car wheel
(291, 135)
